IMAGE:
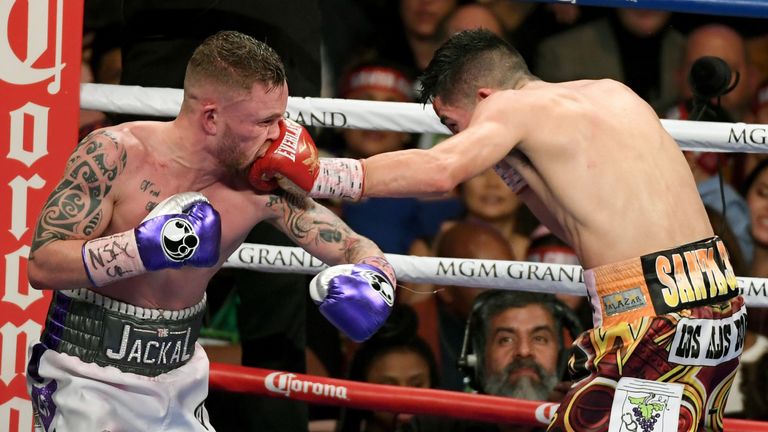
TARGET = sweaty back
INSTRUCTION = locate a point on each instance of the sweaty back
(608, 171)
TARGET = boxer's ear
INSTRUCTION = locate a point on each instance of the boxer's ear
(210, 118)
(483, 93)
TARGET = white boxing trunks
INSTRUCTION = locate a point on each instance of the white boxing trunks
(103, 365)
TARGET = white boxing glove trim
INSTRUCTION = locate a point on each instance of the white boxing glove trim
(176, 204)
(318, 286)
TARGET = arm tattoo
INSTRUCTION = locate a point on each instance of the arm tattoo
(310, 224)
(73, 209)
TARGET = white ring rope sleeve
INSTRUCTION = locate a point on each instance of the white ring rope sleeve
(398, 116)
(478, 273)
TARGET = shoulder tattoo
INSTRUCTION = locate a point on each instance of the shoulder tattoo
(73, 209)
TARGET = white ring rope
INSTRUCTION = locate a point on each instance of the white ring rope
(478, 273)
(403, 117)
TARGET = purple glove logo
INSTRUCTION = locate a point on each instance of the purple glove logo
(179, 239)
(381, 285)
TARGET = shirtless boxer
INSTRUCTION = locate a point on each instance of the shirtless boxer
(119, 349)
(593, 162)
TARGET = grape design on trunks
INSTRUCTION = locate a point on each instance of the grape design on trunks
(646, 414)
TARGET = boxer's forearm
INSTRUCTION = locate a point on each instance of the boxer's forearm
(409, 173)
(319, 231)
(58, 265)
(438, 170)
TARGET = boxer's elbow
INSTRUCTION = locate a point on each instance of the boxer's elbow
(39, 278)
(44, 270)
(446, 175)
(442, 184)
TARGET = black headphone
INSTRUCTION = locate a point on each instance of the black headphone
(472, 350)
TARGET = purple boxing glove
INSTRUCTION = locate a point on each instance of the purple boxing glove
(174, 240)
(356, 298)
(182, 230)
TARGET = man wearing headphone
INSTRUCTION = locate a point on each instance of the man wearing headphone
(514, 346)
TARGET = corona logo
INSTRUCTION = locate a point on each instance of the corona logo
(23, 71)
(286, 383)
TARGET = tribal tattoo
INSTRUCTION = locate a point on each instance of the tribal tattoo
(310, 224)
(73, 209)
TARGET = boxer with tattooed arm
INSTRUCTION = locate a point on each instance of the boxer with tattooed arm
(144, 215)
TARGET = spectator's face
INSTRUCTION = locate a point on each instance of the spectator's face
(487, 197)
(473, 17)
(421, 17)
(521, 354)
(399, 368)
(757, 198)
(641, 22)
(365, 143)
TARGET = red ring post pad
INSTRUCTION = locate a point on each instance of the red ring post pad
(743, 8)
(411, 400)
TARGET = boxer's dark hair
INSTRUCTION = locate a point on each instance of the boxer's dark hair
(236, 60)
(470, 60)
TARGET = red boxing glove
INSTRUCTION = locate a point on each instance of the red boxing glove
(292, 156)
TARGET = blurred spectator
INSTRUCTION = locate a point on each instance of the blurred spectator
(760, 104)
(634, 46)
(89, 120)
(376, 80)
(526, 24)
(408, 34)
(468, 17)
(759, 116)
(420, 21)
(470, 240)
(514, 348)
(547, 248)
(395, 355)
(489, 200)
(159, 37)
(347, 31)
(719, 41)
(106, 57)
(755, 375)
(756, 192)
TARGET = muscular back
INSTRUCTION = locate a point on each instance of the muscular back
(596, 156)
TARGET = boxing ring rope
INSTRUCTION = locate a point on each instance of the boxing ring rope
(408, 400)
(477, 273)
(401, 116)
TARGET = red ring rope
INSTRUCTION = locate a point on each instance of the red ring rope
(377, 397)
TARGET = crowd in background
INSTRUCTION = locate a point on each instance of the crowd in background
(374, 50)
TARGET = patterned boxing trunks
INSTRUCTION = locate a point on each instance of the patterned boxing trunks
(668, 332)
(104, 365)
